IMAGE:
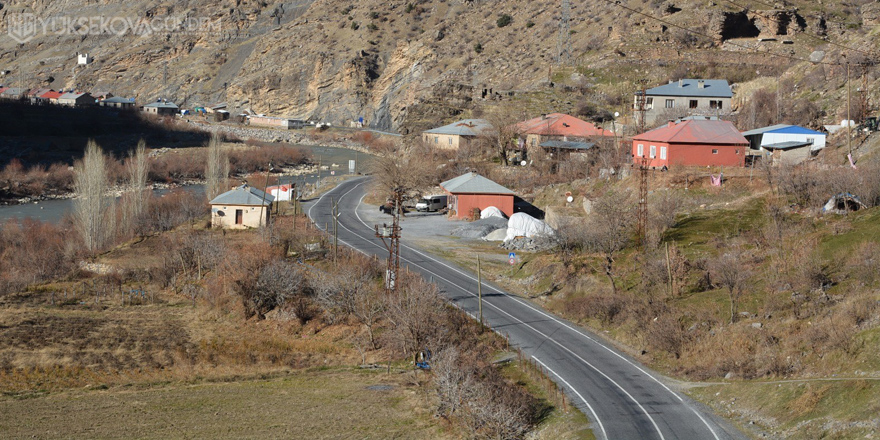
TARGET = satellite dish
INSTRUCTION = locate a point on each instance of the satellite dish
(569, 199)
(523, 163)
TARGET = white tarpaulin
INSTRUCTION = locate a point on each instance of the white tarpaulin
(491, 212)
(524, 225)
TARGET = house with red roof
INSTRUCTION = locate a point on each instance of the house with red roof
(559, 127)
(693, 141)
(50, 96)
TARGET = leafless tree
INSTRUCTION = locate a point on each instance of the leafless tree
(134, 202)
(217, 167)
(92, 207)
(276, 283)
(415, 312)
(400, 174)
(609, 228)
(731, 271)
(502, 137)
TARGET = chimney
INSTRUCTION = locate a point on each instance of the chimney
(671, 81)
(681, 82)
(543, 116)
(671, 123)
(701, 84)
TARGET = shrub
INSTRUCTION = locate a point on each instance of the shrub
(478, 48)
(504, 20)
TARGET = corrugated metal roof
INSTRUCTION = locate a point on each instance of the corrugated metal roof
(51, 95)
(119, 100)
(560, 124)
(783, 128)
(160, 104)
(712, 88)
(565, 145)
(15, 91)
(694, 131)
(72, 95)
(244, 195)
(467, 127)
(473, 183)
(786, 145)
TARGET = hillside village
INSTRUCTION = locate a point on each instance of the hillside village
(676, 206)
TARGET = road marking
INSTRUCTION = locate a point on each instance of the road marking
(533, 308)
(601, 427)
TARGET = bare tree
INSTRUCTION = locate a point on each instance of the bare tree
(217, 167)
(400, 174)
(92, 207)
(134, 202)
(502, 137)
(415, 312)
(609, 227)
(732, 273)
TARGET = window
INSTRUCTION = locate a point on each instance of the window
(670, 103)
(810, 141)
(436, 139)
(663, 153)
(715, 105)
(640, 150)
(649, 103)
(653, 151)
(714, 151)
(450, 140)
(737, 152)
(693, 103)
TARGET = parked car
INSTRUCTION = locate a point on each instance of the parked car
(432, 203)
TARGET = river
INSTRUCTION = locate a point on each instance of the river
(54, 210)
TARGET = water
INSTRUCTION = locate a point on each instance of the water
(54, 210)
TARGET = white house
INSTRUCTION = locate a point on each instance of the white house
(241, 208)
(282, 193)
(783, 143)
(83, 59)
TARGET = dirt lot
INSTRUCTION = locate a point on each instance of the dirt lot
(330, 404)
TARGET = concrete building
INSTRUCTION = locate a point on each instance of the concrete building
(83, 59)
(472, 191)
(457, 134)
(685, 97)
(162, 108)
(691, 142)
(73, 99)
(275, 122)
(241, 208)
(784, 144)
(559, 127)
(118, 102)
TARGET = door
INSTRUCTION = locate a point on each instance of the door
(239, 216)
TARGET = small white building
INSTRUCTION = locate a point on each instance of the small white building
(783, 143)
(282, 193)
(83, 59)
(242, 207)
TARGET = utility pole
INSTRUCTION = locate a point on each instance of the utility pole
(563, 44)
(643, 199)
(848, 120)
(392, 233)
(480, 287)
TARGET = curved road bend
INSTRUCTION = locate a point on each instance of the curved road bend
(623, 399)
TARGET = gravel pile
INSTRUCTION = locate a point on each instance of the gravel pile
(533, 244)
(480, 228)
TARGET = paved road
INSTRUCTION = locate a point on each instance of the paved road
(623, 399)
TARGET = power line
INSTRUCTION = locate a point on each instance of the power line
(755, 49)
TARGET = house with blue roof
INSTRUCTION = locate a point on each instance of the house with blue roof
(685, 97)
(783, 143)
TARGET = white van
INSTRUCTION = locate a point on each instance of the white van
(431, 203)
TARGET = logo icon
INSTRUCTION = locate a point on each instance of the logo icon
(21, 27)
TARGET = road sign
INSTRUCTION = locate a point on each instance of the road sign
(351, 166)
(511, 255)
(512, 261)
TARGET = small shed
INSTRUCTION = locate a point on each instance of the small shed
(241, 208)
(472, 191)
(788, 144)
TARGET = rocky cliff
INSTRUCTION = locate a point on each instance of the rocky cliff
(397, 64)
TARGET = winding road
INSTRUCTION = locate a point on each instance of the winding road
(623, 399)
